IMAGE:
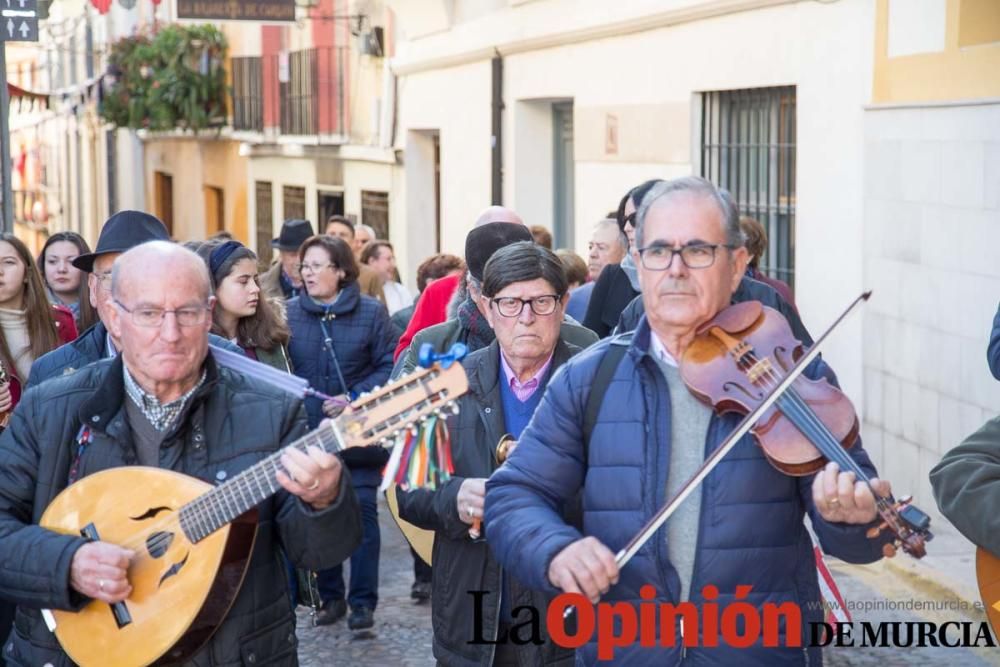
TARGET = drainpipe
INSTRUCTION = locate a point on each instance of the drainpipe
(496, 140)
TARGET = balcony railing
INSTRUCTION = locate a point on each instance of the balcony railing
(303, 95)
(248, 94)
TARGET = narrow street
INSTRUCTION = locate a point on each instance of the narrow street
(402, 635)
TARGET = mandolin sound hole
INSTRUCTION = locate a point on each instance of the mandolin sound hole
(174, 569)
(151, 513)
(158, 543)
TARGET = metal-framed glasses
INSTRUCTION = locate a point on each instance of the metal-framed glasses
(189, 316)
(103, 280)
(694, 256)
(511, 306)
(315, 267)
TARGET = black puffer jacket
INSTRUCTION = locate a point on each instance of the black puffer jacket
(461, 565)
(231, 423)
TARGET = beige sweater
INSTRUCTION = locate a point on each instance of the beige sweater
(15, 332)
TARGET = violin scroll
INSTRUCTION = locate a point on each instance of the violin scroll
(909, 524)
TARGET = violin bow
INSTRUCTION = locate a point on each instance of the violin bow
(658, 519)
(664, 513)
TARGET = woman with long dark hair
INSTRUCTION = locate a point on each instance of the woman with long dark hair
(67, 285)
(242, 313)
(29, 325)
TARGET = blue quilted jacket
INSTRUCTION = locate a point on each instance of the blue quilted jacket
(363, 342)
(751, 529)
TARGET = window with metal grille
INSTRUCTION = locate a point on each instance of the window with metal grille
(293, 200)
(748, 147)
(248, 94)
(265, 222)
(375, 212)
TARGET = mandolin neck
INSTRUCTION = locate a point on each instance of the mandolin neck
(216, 508)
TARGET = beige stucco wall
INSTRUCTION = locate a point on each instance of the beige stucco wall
(194, 164)
(650, 80)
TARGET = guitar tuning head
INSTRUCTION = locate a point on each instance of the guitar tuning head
(428, 357)
(454, 407)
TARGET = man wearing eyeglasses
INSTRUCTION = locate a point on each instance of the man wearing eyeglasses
(123, 231)
(524, 294)
(742, 527)
(163, 402)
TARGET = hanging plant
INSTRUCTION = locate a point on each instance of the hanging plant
(173, 79)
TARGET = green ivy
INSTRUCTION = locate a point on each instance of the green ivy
(172, 79)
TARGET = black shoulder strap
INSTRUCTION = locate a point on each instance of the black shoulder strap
(598, 388)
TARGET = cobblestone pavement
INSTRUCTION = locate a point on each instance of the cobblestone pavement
(402, 636)
(402, 633)
(879, 587)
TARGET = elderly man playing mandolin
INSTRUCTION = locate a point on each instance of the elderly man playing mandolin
(742, 527)
(162, 403)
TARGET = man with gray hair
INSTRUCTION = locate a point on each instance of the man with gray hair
(630, 448)
(524, 290)
(470, 324)
(608, 245)
(163, 402)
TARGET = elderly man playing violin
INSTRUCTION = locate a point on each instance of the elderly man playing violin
(743, 527)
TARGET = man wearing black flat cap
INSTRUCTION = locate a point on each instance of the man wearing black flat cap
(123, 231)
(282, 281)
(470, 326)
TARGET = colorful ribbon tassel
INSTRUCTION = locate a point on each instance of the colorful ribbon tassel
(421, 457)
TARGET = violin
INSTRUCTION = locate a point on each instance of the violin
(738, 358)
(746, 360)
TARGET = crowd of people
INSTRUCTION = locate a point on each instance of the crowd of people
(542, 327)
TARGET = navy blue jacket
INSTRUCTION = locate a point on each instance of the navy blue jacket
(751, 527)
(363, 342)
(90, 346)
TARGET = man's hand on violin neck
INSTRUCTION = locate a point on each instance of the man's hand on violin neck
(586, 566)
(840, 498)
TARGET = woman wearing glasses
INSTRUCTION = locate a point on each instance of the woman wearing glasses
(342, 343)
(525, 291)
(29, 325)
(66, 284)
(243, 314)
(618, 284)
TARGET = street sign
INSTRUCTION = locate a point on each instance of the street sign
(21, 5)
(20, 28)
(271, 11)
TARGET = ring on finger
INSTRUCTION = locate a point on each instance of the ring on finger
(834, 502)
(314, 486)
(469, 512)
(100, 585)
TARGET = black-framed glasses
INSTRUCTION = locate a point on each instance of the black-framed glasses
(511, 306)
(315, 267)
(189, 316)
(694, 256)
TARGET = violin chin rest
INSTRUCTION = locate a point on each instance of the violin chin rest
(737, 317)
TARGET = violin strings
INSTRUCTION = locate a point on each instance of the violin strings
(839, 454)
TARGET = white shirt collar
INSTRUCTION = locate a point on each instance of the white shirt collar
(660, 350)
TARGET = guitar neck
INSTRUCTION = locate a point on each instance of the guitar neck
(216, 508)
